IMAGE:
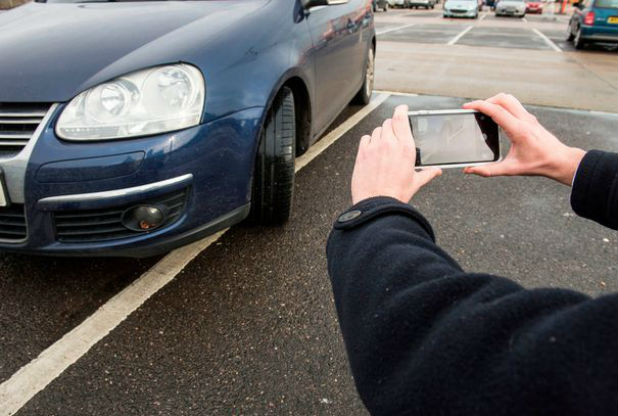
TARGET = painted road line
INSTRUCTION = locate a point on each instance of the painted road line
(409, 94)
(40, 372)
(334, 135)
(483, 16)
(547, 40)
(460, 35)
(523, 19)
(394, 29)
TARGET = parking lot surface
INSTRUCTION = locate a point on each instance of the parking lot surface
(421, 52)
(249, 326)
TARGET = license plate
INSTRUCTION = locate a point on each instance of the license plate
(4, 201)
(613, 20)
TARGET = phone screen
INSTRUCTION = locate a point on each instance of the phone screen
(454, 138)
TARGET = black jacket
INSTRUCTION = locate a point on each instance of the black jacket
(425, 337)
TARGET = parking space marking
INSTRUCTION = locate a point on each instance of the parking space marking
(334, 135)
(40, 372)
(460, 35)
(484, 15)
(408, 94)
(523, 19)
(395, 29)
(547, 40)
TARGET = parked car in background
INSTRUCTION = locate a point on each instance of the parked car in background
(427, 4)
(131, 128)
(511, 8)
(534, 6)
(380, 5)
(594, 21)
(398, 3)
(461, 8)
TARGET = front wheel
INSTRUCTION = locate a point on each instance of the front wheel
(363, 96)
(273, 178)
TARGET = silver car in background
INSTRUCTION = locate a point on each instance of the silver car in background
(511, 8)
(461, 8)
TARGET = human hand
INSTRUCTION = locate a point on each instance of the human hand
(534, 151)
(385, 162)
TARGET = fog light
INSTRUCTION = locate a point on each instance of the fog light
(144, 217)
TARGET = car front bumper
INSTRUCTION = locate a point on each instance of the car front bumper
(510, 12)
(460, 13)
(74, 196)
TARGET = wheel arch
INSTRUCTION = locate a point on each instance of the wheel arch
(297, 82)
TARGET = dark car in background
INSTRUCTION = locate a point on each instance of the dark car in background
(594, 21)
(130, 128)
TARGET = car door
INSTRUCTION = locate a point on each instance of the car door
(338, 55)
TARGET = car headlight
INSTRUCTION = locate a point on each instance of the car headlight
(151, 101)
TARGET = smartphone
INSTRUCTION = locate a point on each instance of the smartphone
(454, 138)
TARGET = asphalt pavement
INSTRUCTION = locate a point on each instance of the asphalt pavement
(249, 327)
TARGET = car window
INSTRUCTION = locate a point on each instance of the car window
(609, 4)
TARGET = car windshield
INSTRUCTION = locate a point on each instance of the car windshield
(607, 4)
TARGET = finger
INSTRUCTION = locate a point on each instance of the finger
(505, 119)
(401, 125)
(512, 105)
(426, 175)
(387, 130)
(489, 170)
(364, 142)
(375, 136)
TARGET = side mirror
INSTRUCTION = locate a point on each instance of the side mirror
(307, 4)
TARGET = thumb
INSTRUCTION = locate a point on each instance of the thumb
(487, 171)
(425, 176)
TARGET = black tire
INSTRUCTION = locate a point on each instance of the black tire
(273, 179)
(363, 96)
(578, 42)
(570, 35)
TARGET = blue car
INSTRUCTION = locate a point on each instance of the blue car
(131, 128)
(594, 21)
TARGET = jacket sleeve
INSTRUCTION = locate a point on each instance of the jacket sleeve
(595, 188)
(425, 338)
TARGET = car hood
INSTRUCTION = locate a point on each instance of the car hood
(454, 4)
(51, 52)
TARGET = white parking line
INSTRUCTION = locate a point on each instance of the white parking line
(484, 15)
(547, 40)
(460, 35)
(523, 19)
(394, 29)
(409, 94)
(36, 375)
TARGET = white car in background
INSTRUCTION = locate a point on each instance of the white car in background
(461, 8)
(511, 8)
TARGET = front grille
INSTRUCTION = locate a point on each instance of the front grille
(18, 122)
(13, 223)
(106, 224)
